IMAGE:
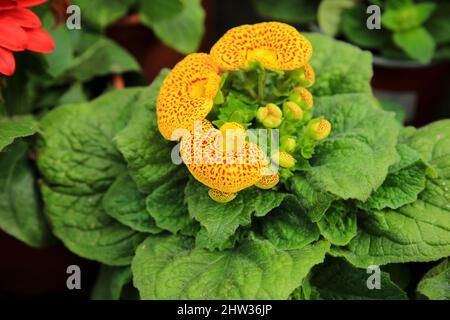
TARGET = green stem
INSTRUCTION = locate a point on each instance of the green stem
(261, 85)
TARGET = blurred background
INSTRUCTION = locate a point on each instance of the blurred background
(125, 43)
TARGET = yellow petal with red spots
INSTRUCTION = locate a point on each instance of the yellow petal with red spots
(276, 45)
(225, 171)
(187, 93)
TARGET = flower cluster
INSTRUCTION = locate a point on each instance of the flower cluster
(223, 158)
(20, 29)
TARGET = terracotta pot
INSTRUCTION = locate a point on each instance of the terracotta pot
(419, 88)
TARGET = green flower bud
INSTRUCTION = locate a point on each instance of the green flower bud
(284, 159)
(319, 129)
(288, 144)
(292, 111)
(270, 115)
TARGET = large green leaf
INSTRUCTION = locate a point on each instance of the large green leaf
(435, 284)
(221, 220)
(157, 10)
(171, 268)
(125, 203)
(147, 153)
(417, 43)
(354, 160)
(20, 207)
(287, 226)
(416, 232)
(13, 128)
(338, 225)
(339, 67)
(79, 162)
(182, 31)
(406, 179)
(338, 280)
(111, 282)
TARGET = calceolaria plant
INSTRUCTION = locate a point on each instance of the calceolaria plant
(314, 184)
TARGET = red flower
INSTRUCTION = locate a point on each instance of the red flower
(20, 29)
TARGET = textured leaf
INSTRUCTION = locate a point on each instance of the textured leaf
(86, 229)
(166, 203)
(20, 207)
(146, 151)
(13, 128)
(339, 67)
(416, 232)
(287, 227)
(435, 284)
(125, 203)
(222, 220)
(110, 283)
(170, 268)
(338, 225)
(403, 184)
(354, 160)
(183, 31)
(338, 280)
(313, 201)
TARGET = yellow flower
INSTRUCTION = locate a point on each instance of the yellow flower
(188, 93)
(319, 129)
(277, 46)
(302, 97)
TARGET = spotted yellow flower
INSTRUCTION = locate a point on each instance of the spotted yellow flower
(188, 93)
(277, 46)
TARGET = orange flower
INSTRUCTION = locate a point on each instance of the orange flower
(277, 46)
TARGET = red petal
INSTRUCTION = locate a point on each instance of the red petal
(30, 3)
(39, 41)
(7, 62)
(7, 4)
(12, 36)
(24, 17)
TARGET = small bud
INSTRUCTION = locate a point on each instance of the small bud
(284, 159)
(270, 115)
(288, 144)
(302, 97)
(319, 129)
(292, 111)
(304, 76)
(268, 182)
(221, 197)
(233, 136)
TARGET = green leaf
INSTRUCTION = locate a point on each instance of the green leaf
(87, 230)
(157, 10)
(125, 203)
(102, 14)
(18, 127)
(79, 161)
(292, 11)
(339, 67)
(148, 155)
(183, 31)
(171, 268)
(329, 15)
(100, 57)
(237, 108)
(354, 160)
(354, 28)
(110, 283)
(398, 109)
(406, 17)
(416, 232)
(221, 220)
(338, 225)
(406, 179)
(314, 202)
(20, 207)
(439, 24)
(417, 43)
(435, 284)
(338, 280)
(287, 227)
(166, 203)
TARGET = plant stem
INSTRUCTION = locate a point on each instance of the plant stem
(261, 84)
